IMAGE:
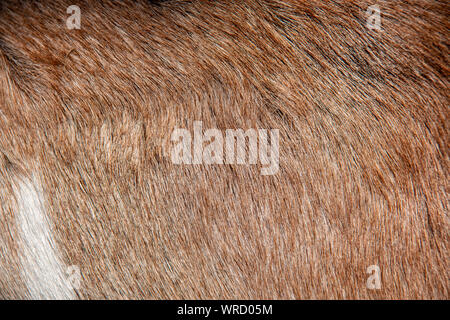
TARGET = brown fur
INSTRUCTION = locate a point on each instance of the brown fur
(363, 120)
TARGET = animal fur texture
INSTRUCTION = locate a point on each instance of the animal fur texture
(86, 177)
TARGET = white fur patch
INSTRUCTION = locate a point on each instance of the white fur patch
(42, 269)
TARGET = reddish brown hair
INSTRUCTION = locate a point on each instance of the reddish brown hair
(362, 116)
